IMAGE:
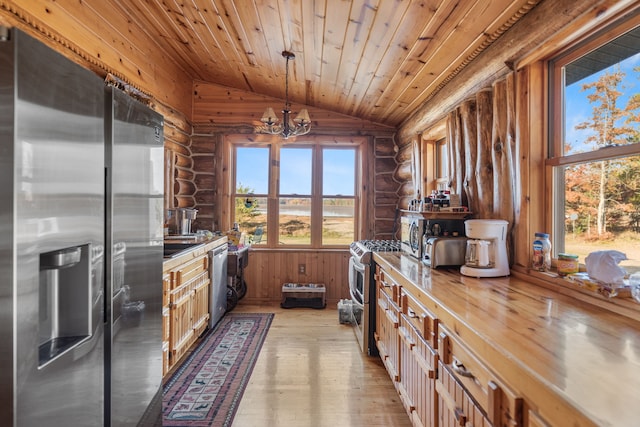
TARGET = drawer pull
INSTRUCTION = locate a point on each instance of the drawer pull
(461, 417)
(460, 369)
(412, 314)
(404, 334)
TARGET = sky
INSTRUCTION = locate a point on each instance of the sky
(577, 106)
(338, 173)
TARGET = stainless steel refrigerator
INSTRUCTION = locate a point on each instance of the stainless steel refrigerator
(80, 244)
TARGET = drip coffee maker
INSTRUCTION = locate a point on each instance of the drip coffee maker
(486, 254)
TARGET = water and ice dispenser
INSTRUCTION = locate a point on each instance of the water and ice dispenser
(64, 301)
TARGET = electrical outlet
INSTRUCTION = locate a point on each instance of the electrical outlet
(302, 268)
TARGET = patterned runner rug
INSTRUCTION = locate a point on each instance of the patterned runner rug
(207, 388)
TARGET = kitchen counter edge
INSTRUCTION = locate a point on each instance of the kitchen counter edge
(459, 302)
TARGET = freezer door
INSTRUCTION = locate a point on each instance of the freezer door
(52, 232)
(135, 187)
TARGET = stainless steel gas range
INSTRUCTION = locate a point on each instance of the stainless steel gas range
(362, 289)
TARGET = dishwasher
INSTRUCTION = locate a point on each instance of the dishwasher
(218, 275)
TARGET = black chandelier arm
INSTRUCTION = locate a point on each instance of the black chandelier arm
(302, 123)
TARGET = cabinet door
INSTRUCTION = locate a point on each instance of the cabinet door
(201, 303)
(387, 339)
(166, 288)
(418, 367)
(460, 370)
(181, 321)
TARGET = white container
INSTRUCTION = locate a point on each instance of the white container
(345, 310)
(541, 252)
(486, 248)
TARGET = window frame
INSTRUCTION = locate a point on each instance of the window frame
(317, 143)
(555, 160)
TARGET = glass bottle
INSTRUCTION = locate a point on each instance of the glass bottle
(541, 252)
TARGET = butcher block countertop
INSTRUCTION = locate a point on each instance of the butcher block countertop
(574, 363)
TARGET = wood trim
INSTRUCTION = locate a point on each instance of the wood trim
(608, 152)
(580, 30)
(316, 143)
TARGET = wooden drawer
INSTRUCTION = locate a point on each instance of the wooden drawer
(189, 270)
(387, 339)
(387, 285)
(420, 318)
(456, 407)
(418, 368)
(501, 406)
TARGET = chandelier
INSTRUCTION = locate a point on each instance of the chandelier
(301, 125)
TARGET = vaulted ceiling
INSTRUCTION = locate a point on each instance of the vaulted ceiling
(377, 60)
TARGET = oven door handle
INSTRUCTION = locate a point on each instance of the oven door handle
(352, 282)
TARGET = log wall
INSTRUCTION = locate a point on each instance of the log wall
(385, 195)
(200, 176)
(498, 169)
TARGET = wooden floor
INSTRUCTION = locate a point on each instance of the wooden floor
(310, 373)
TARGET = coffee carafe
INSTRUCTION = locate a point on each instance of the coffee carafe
(486, 254)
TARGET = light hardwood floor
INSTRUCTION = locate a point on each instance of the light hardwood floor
(310, 373)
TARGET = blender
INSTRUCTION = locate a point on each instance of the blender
(486, 254)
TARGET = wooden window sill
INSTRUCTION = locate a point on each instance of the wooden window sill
(622, 303)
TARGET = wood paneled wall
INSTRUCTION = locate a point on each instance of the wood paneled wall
(93, 34)
(237, 111)
(269, 270)
(75, 30)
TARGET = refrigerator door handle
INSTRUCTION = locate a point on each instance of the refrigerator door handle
(61, 258)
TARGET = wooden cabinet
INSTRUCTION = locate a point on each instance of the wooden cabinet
(418, 361)
(469, 391)
(186, 306)
(440, 381)
(387, 323)
(166, 323)
(506, 350)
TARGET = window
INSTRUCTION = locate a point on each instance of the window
(305, 193)
(442, 164)
(251, 192)
(595, 149)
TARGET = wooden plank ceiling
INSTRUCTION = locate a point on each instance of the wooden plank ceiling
(377, 60)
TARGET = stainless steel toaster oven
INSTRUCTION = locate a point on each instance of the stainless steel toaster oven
(441, 251)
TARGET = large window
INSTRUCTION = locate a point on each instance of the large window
(595, 150)
(301, 195)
